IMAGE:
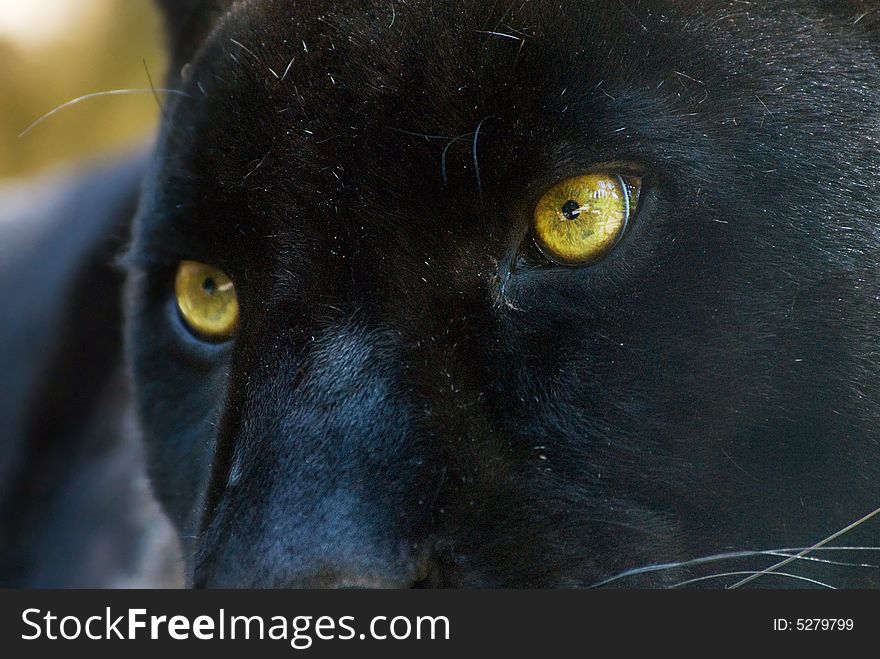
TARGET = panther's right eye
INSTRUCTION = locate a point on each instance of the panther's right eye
(206, 300)
(580, 220)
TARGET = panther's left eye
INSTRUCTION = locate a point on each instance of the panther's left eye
(206, 300)
(580, 220)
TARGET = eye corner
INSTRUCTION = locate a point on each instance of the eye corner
(634, 185)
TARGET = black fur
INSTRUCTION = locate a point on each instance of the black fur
(414, 396)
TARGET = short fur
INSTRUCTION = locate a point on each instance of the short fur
(414, 396)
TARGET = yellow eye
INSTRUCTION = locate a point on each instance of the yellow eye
(579, 221)
(207, 300)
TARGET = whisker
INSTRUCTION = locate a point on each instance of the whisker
(840, 548)
(733, 555)
(476, 159)
(738, 574)
(445, 153)
(153, 90)
(86, 97)
(830, 538)
(813, 559)
(661, 567)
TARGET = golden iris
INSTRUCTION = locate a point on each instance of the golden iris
(207, 300)
(580, 220)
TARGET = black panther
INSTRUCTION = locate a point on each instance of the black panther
(486, 294)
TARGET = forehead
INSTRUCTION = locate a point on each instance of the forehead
(413, 108)
(370, 45)
(307, 72)
(387, 118)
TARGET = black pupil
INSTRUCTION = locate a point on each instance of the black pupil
(209, 285)
(571, 209)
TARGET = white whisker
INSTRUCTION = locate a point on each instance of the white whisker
(738, 574)
(813, 559)
(819, 544)
(112, 92)
(733, 555)
(661, 567)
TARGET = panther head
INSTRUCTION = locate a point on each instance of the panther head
(510, 294)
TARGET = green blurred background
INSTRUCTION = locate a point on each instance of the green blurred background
(52, 51)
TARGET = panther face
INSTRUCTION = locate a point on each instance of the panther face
(505, 294)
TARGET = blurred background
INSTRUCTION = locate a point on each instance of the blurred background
(52, 51)
(75, 506)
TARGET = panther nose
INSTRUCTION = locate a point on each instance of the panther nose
(337, 577)
(264, 534)
(322, 482)
(354, 582)
(355, 577)
(232, 555)
(322, 580)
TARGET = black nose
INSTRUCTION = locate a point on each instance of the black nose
(321, 480)
(338, 544)
(300, 555)
(321, 579)
(322, 576)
